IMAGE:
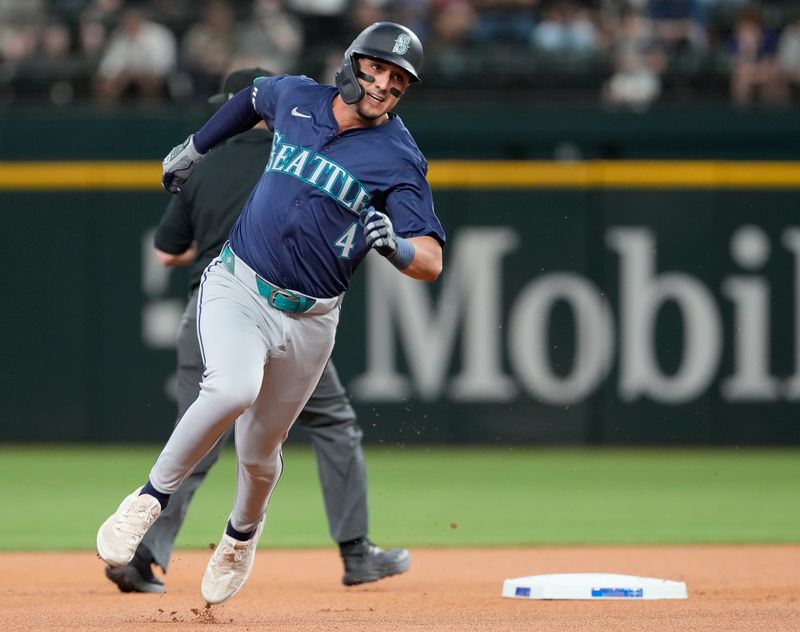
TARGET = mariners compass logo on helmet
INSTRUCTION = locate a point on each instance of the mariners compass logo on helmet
(401, 44)
(387, 41)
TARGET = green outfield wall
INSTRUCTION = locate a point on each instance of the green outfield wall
(490, 130)
(583, 303)
(611, 278)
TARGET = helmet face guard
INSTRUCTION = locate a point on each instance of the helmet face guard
(385, 41)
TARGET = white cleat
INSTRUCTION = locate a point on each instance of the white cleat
(119, 536)
(229, 567)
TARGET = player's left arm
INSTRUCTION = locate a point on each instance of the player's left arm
(412, 238)
(418, 257)
(427, 262)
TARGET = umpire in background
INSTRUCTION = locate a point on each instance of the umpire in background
(192, 232)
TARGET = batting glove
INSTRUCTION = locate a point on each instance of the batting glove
(379, 233)
(179, 164)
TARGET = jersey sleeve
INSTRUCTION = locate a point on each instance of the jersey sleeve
(174, 233)
(410, 205)
(265, 94)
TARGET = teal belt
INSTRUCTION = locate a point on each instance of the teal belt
(279, 298)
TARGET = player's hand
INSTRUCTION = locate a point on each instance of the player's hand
(179, 164)
(379, 232)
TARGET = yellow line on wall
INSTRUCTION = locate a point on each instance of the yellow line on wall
(443, 174)
(622, 174)
(28, 176)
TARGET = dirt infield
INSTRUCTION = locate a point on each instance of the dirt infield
(748, 588)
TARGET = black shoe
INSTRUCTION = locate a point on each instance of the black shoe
(365, 562)
(136, 576)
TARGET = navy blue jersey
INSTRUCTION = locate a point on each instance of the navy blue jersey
(299, 227)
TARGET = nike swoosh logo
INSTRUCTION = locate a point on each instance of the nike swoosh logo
(296, 112)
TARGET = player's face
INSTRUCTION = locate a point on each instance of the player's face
(382, 94)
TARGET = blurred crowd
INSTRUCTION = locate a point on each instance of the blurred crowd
(625, 53)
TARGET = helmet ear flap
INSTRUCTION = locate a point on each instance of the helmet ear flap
(346, 81)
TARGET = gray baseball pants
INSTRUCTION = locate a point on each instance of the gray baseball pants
(330, 422)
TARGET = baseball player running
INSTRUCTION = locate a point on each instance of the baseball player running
(344, 176)
(194, 227)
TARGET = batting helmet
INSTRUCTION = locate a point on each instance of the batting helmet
(386, 41)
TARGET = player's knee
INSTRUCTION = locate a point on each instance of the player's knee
(237, 391)
(239, 397)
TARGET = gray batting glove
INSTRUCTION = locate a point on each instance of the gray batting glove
(179, 164)
(379, 232)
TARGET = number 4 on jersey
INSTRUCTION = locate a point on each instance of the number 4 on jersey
(346, 241)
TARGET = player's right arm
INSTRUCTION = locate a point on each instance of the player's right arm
(238, 114)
